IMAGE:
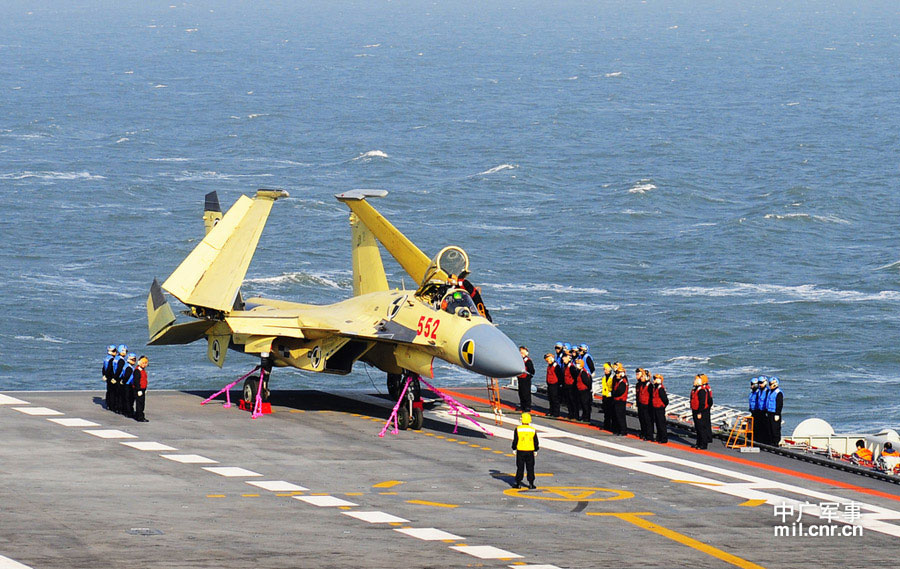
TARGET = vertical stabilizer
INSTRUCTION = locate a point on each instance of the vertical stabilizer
(212, 212)
(368, 270)
(211, 276)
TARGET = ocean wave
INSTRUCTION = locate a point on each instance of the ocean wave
(589, 305)
(808, 217)
(546, 287)
(170, 159)
(371, 45)
(121, 140)
(499, 168)
(799, 293)
(614, 74)
(687, 360)
(303, 279)
(642, 187)
(43, 338)
(75, 287)
(257, 115)
(894, 265)
(51, 175)
(188, 176)
(372, 154)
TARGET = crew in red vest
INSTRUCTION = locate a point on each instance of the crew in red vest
(569, 396)
(554, 379)
(701, 404)
(140, 387)
(658, 401)
(619, 397)
(525, 381)
(642, 400)
(584, 391)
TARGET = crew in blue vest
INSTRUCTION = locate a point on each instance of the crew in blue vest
(761, 424)
(118, 366)
(557, 357)
(106, 370)
(753, 407)
(774, 402)
(126, 386)
(584, 352)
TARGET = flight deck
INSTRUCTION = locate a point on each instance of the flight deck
(313, 485)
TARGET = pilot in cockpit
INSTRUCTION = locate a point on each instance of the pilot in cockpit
(458, 302)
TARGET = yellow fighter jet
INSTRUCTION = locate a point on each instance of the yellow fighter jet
(397, 331)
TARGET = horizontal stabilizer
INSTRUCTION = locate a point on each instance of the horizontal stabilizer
(159, 313)
(211, 276)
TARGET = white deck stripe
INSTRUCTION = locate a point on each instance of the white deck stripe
(533, 567)
(189, 458)
(427, 534)
(7, 563)
(231, 471)
(324, 501)
(276, 486)
(67, 422)
(110, 434)
(485, 551)
(7, 400)
(147, 445)
(37, 411)
(376, 517)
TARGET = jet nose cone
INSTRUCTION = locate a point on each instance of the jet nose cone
(486, 350)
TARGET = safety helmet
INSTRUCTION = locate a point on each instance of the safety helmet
(548, 355)
(607, 366)
(703, 379)
(111, 348)
(558, 345)
(123, 348)
(567, 346)
(620, 367)
(132, 356)
(526, 418)
(583, 347)
(579, 361)
(773, 381)
(754, 381)
(696, 381)
(762, 380)
(658, 377)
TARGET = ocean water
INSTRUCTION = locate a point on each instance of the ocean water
(686, 186)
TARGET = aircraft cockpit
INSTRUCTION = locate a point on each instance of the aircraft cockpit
(459, 303)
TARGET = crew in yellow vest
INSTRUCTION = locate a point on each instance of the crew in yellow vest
(525, 443)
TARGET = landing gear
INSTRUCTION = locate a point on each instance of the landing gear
(411, 413)
(394, 385)
(251, 384)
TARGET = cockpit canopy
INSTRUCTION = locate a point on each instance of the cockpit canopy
(458, 302)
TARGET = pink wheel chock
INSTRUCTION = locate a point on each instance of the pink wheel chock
(458, 409)
(227, 389)
(393, 417)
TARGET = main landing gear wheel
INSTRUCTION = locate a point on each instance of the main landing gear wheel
(403, 417)
(251, 388)
(418, 419)
(394, 385)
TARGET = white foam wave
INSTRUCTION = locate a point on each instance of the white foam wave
(372, 154)
(686, 360)
(170, 159)
(187, 176)
(499, 168)
(591, 306)
(121, 140)
(546, 287)
(51, 176)
(642, 187)
(160, 86)
(43, 338)
(893, 265)
(800, 293)
(371, 45)
(257, 115)
(809, 216)
(304, 279)
(614, 74)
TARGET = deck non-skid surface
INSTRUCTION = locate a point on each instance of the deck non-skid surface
(312, 485)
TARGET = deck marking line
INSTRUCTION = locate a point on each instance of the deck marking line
(753, 503)
(485, 551)
(230, 471)
(147, 445)
(525, 566)
(7, 563)
(189, 458)
(435, 504)
(638, 520)
(428, 534)
(324, 501)
(276, 486)
(375, 517)
(110, 434)
(387, 484)
(37, 411)
(72, 422)
(7, 400)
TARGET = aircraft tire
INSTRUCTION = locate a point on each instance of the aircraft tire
(418, 419)
(251, 386)
(393, 385)
(403, 417)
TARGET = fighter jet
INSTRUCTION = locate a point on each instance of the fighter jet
(397, 331)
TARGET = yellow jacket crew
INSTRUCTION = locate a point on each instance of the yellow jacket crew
(525, 381)
(606, 396)
(525, 443)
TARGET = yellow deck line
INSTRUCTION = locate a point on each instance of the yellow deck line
(435, 504)
(637, 519)
(215, 495)
(387, 484)
(753, 503)
(696, 482)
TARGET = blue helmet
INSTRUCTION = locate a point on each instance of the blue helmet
(559, 345)
(773, 380)
(132, 356)
(123, 348)
(583, 347)
(754, 381)
(762, 379)
(111, 348)
(567, 346)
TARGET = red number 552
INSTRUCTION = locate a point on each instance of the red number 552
(428, 328)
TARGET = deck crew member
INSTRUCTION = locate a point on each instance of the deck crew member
(619, 397)
(525, 443)
(584, 352)
(106, 370)
(569, 396)
(606, 396)
(525, 381)
(761, 430)
(774, 402)
(583, 384)
(862, 453)
(753, 408)
(554, 380)
(701, 404)
(642, 400)
(126, 392)
(888, 450)
(118, 366)
(558, 356)
(658, 401)
(140, 386)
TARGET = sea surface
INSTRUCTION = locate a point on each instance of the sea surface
(687, 186)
